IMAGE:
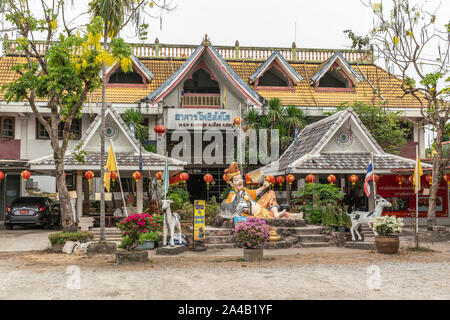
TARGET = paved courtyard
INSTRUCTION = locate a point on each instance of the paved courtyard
(24, 239)
(312, 273)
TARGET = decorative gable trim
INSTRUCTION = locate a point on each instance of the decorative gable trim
(346, 68)
(140, 68)
(277, 59)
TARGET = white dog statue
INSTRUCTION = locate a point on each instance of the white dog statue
(170, 221)
(360, 217)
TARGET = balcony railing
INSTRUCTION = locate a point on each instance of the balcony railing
(293, 54)
(206, 100)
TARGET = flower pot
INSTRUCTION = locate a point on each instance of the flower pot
(387, 244)
(147, 245)
(253, 254)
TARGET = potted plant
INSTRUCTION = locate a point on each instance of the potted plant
(252, 235)
(386, 228)
(132, 227)
(147, 240)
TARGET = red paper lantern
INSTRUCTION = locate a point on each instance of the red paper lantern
(290, 178)
(237, 121)
(446, 178)
(137, 175)
(280, 180)
(225, 177)
(89, 175)
(270, 179)
(113, 175)
(411, 179)
(429, 178)
(159, 175)
(2, 175)
(331, 179)
(353, 178)
(400, 179)
(25, 175)
(310, 178)
(184, 177)
(160, 129)
(376, 178)
(248, 179)
(208, 178)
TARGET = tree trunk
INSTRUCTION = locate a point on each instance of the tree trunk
(438, 171)
(67, 216)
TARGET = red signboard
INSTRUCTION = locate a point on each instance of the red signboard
(403, 198)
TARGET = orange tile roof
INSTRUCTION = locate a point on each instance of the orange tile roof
(302, 95)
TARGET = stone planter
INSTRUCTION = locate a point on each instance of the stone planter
(253, 254)
(131, 257)
(147, 245)
(387, 244)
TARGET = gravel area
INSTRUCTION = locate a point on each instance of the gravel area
(320, 273)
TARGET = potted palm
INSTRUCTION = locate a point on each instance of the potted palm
(386, 229)
(252, 235)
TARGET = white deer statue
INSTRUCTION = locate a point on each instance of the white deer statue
(171, 220)
(360, 217)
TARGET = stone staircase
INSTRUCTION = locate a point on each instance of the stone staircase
(294, 233)
(111, 234)
(368, 242)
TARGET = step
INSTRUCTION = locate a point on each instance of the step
(313, 238)
(278, 245)
(309, 230)
(360, 245)
(218, 231)
(220, 245)
(219, 239)
(312, 245)
(286, 222)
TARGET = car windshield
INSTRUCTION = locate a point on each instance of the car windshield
(28, 201)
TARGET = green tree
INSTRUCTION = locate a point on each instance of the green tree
(405, 35)
(384, 126)
(62, 73)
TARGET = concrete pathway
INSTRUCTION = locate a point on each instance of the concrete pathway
(24, 239)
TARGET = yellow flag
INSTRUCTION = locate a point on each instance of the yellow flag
(225, 97)
(110, 166)
(417, 174)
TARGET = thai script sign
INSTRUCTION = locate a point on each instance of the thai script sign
(200, 119)
(238, 220)
(199, 219)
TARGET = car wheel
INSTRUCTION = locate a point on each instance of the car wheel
(9, 226)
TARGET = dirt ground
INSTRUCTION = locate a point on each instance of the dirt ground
(319, 273)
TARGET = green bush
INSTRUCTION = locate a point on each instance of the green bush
(152, 236)
(126, 242)
(326, 194)
(179, 197)
(63, 237)
(313, 216)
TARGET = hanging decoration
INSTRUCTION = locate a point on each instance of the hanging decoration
(184, 177)
(2, 175)
(411, 179)
(310, 178)
(280, 181)
(207, 178)
(290, 178)
(89, 175)
(331, 179)
(25, 175)
(353, 179)
(376, 178)
(400, 179)
(137, 175)
(113, 175)
(429, 179)
(225, 177)
(248, 179)
(270, 180)
(446, 178)
(159, 175)
(174, 180)
(160, 129)
(237, 121)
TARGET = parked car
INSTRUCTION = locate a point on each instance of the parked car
(32, 211)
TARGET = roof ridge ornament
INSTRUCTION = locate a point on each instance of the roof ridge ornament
(206, 42)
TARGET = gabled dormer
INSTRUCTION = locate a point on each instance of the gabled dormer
(139, 77)
(275, 73)
(335, 74)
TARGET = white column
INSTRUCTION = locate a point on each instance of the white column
(140, 195)
(79, 188)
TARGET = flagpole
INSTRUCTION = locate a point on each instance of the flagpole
(373, 180)
(120, 182)
(417, 198)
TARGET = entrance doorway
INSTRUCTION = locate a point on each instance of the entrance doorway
(9, 190)
(197, 187)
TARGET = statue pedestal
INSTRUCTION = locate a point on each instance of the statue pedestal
(170, 251)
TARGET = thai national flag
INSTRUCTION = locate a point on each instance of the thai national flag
(369, 176)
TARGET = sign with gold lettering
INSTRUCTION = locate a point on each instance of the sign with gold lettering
(199, 219)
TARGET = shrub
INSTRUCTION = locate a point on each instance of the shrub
(326, 194)
(313, 215)
(179, 197)
(252, 233)
(136, 224)
(152, 236)
(63, 237)
(125, 242)
(388, 225)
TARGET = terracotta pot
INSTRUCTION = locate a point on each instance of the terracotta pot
(387, 244)
(253, 254)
